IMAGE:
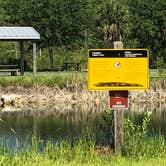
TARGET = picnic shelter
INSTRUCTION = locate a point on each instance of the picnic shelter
(21, 35)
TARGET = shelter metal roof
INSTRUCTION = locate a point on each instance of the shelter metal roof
(18, 33)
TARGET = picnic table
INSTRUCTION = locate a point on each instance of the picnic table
(71, 66)
(14, 69)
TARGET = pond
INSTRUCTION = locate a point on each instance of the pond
(17, 127)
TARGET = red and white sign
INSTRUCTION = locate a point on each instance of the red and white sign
(119, 99)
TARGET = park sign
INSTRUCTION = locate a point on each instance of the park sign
(121, 69)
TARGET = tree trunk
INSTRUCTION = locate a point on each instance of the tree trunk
(51, 57)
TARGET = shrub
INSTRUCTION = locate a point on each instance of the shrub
(138, 143)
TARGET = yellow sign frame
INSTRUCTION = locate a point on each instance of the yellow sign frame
(118, 69)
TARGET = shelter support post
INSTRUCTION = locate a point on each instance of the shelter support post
(22, 57)
(34, 60)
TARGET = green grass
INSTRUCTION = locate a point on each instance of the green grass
(44, 78)
(139, 142)
(138, 150)
(58, 78)
(40, 160)
(157, 73)
(82, 153)
(61, 79)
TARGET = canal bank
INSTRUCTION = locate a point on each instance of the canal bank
(44, 95)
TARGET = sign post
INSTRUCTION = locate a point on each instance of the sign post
(118, 70)
(118, 102)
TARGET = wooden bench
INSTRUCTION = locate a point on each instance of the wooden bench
(14, 69)
(71, 66)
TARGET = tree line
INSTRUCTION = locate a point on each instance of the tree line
(81, 24)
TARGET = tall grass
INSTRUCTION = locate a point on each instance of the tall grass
(140, 148)
(82, 152)
(44, 78)
(65, 153)
(61, 78)
(139, 142)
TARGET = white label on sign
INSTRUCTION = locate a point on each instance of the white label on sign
(117, 64)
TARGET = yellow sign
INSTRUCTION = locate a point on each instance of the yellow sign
(124, 69)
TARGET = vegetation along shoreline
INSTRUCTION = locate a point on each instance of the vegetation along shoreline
(68, 89)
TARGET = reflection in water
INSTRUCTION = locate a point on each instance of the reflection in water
(70, 122)
(18, 127)
(141, 107)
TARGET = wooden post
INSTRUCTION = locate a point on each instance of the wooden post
(22, 57)
(118, 117)
(118, 45)
(51, 57)
(16, 49)
(118, 130)
(34, 60)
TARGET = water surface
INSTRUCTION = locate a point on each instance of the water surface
(72, 122)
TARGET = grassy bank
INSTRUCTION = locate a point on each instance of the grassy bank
(53, 87)
(139, 149)
(81, 153)
(35, 159)
(61, 79)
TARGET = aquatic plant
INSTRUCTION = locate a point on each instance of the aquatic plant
(104, 131)
(138, 143)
